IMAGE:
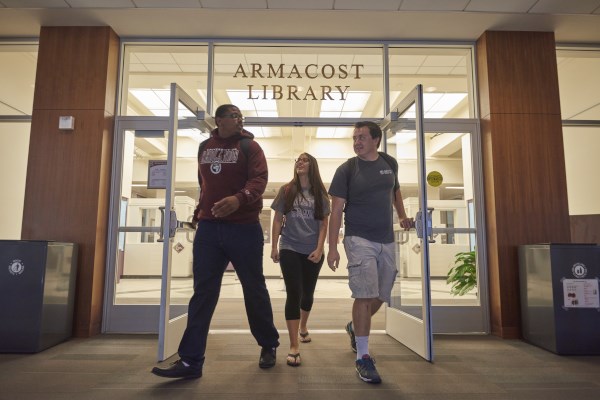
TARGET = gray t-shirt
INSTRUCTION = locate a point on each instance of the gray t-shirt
(301, 230)
(369, 199)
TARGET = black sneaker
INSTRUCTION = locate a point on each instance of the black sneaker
(267, 357)
(366, 370)
(178, 370)
(350, 332)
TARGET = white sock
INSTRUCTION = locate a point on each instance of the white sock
(184, 363)
(362, 346)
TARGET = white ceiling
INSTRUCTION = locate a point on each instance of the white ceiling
(455, 20)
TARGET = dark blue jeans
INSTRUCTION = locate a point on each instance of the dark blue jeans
(215, 244)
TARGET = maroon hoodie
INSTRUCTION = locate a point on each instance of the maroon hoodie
(225, 171)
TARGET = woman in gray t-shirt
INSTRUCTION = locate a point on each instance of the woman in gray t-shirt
(301, 215)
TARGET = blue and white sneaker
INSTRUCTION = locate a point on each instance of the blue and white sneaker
(366, 370)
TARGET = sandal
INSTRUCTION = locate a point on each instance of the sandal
(304, 338)
(293, 360)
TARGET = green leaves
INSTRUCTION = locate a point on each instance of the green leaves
(463, 275)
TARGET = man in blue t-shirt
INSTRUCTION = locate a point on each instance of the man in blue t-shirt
(365, 188)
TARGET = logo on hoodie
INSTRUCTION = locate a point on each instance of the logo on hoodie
(217, 157)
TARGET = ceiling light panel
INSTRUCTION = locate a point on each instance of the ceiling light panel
(436, 105)
(356, 101)
(334, 133)
(446, 102)
(254, 107)
(157, 101)
(241, 100)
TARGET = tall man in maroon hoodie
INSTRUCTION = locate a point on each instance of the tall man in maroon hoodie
(233, 176)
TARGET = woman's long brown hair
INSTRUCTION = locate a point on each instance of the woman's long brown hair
(317, 188)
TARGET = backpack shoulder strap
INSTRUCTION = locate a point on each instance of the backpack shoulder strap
(391, 161)
(393, 164)
(245, 145)
(200, 150)
(352, 164)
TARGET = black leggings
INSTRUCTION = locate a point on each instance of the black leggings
(300, 277)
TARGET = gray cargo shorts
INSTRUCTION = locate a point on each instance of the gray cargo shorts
(371, 268)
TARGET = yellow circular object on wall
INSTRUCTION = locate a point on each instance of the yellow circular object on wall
(434, 178)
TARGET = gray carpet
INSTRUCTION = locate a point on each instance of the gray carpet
(116, 367)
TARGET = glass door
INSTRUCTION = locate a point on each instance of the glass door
(451, 148)
(408, 318)
(155, 190)
(456, 252)
(177, 230)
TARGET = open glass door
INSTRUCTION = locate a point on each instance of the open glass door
(408, 318)
(177, 231)
(155, 188)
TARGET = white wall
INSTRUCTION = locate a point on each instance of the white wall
(14, 150)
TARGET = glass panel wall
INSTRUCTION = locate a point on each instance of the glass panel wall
(445, 73)
(579, 84)
(14, 149)
(149, 70)
(18, 62)
(326, 88)
(582, 165)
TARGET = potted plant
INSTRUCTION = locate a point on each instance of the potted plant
(463, 274)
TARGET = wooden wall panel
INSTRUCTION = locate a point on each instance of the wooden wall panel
(522, 73)
(67, 191)
(585, 228)
(73, 71)
(523, 160)
(533, 184)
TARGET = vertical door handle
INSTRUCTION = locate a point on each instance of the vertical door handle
(430, 238)
(172, 224)
(428, 229)
(161, 237)
(419, 224)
